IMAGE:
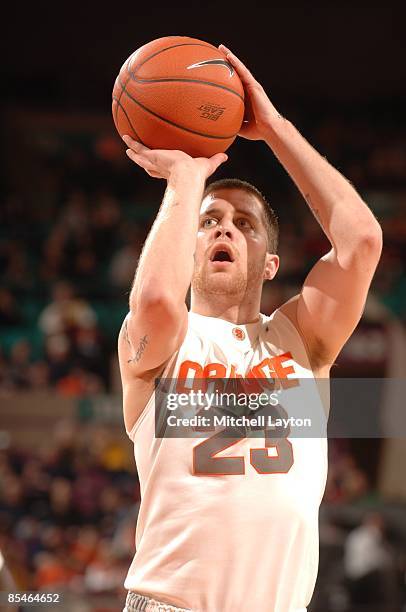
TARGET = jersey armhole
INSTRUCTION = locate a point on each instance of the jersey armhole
(297, 332)
(141, 417)
(131, 433)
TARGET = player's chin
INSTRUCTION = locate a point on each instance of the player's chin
(226, 279)
(222, 276)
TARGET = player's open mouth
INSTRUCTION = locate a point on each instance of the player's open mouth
(222, 254)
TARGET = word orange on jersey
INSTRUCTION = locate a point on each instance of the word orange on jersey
(264, 374)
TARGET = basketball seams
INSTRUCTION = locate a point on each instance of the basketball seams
(167, 49)
(131, 70)
(119, 84)
(119, 105)
(183, 80)
(181, 127)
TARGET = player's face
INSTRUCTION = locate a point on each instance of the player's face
(231, 251)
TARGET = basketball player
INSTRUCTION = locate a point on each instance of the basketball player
(234, 529)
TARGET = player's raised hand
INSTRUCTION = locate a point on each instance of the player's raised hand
(259, 110)
(160, 163)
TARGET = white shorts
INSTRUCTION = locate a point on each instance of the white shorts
(142, 603)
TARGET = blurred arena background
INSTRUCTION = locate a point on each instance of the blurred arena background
(74, 213)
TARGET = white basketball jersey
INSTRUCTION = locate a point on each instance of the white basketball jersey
(241, 538)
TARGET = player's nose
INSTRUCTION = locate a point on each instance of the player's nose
(223, 230)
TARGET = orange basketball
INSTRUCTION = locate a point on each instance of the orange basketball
(179, 93)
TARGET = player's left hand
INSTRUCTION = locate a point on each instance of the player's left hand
(259, 110)
(162, 163)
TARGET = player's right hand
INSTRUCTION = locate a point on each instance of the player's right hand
(161, 163)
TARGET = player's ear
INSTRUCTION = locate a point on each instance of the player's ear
(271, 266)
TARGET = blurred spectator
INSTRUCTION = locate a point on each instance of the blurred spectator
(104, 572)
(124, 262)
(346, 482)
(36, 483)
(12, 499)
(14, 265)
(51, 572)
(58, 355)
(369, 564)
(52, 264)
(66, 313)
(19, 364)
(38, 376)
(83, 549)
(105, 224)
(75, 213)
(9, 310)
(85, 266)
(62, 511)
(89, 349)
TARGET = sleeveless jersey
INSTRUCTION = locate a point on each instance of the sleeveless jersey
(239, 541)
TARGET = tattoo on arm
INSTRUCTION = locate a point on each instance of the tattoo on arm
(141, 348)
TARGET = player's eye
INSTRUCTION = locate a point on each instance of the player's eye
(243, 223)
(210, 222)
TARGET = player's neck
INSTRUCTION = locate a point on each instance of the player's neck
(224, 307)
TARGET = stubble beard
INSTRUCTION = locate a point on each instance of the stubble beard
(222, 283)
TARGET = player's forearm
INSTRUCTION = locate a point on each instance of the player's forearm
(166, 264)
(344, 217)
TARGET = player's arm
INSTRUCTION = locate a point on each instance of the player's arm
(157, 319)
(333, 295)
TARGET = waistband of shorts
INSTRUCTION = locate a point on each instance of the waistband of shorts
(136, 602)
